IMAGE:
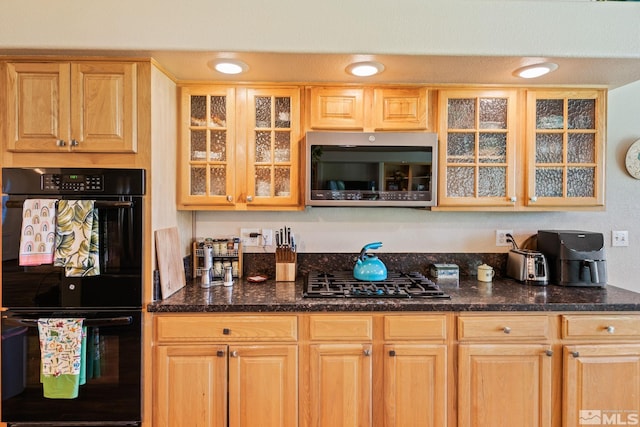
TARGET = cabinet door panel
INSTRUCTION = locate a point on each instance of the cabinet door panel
(103, 100)
(504, 385)
(191, 386)
(602, 383)
(337, 108)
(415, 373)
(38, 107)
(263, 386)
(340, 387)
(400, 109)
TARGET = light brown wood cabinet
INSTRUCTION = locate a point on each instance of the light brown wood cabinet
(239, 148)
(368, 109)
(71, 106)
(517, 149)
(210, 369)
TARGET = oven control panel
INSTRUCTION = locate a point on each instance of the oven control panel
(72, 182)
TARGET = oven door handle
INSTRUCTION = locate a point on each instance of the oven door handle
(91, 323)
(118, 204)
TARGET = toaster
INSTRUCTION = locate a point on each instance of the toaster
(528, 266)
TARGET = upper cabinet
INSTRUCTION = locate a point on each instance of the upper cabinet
(565, 148)
(368, 109)
(239, 148)
(521, 150)
(71, 106)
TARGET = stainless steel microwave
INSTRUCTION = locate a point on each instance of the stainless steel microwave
(371, 169)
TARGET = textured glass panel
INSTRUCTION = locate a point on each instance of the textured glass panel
(581, 114)
(549, 148)
(218, 185)
(198, 145)
(283, 112)
(263, 111)
(461, 147)
(263, 147)
(549, 114)
(462, 114)
(218, 145)
(492, 182)
(198, 110)
(218, 111)
(493, 113)
(460, 181)
(263, 181)
(493, 148)
(282, 181)
(581, 182)
(549, 182)
(581, 148)
(282, 150)
(198, 181)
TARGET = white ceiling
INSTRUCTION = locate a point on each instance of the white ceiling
(187, 66)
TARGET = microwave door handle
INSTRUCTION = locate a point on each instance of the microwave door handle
(108, 321)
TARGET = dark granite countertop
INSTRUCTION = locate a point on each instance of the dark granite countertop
(468, 294)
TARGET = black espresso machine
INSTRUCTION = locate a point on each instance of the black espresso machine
(575, 258)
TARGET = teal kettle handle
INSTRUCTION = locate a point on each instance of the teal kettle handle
(363, 252)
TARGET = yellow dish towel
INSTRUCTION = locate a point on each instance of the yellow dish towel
(37, 238)
(77, 241)
(60, 357)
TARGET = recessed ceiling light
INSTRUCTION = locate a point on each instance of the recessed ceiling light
(535, 70)
(229, 66)
(365, 69)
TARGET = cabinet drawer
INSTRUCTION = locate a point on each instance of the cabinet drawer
(226, 328)
(418, 327)
(340, 328)
(601, 326)
(517, 327)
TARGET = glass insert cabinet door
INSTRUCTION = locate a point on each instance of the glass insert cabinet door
(207, 155)
(565, 148)
(272, 146)
(477, 148)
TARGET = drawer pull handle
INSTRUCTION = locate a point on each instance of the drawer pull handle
(392, 353)
(575, 354)
(220, 353)
(226, 331)
(610, 329)
(234, 354)
(506, 330)
(367, 352)
(549, 353)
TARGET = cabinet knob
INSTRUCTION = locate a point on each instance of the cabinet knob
(61, 143)
(220, 353)
(392, 353)
(249, 198)
(506, 330)
(367, 352)
(513, 199)
(74, 143)
(229, 198)
(226, 331)
(549, 353)
(575, 354)
(234, 354)
(533, 199)
(610, 329)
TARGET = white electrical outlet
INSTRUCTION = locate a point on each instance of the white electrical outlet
(501, 237)
(247, 240)
(619, 238)
(267, 237)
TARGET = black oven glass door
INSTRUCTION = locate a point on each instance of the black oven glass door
(45, 286)
(113, 362)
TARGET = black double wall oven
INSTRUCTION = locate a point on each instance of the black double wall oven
(109, 303)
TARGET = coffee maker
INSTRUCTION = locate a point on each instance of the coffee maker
(575, 258)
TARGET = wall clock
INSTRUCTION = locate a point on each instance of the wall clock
(632, 161)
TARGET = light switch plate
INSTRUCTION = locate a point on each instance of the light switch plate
(619, 238)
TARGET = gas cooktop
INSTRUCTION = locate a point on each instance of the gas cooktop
(342, 284)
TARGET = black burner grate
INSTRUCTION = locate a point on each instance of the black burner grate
(342, 284)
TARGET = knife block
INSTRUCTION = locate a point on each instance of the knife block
(285, 265)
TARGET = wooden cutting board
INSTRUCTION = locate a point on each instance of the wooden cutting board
(170, 265)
